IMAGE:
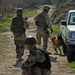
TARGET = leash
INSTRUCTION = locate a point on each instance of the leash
(49, 39)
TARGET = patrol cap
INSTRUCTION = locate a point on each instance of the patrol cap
(19, 10)
(30, 40)
(46, 7)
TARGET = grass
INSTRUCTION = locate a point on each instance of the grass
(29, 12)
(53, 6)
(72, 65)
(56, 29)
(6, 23)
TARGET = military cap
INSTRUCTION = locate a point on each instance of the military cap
(19, 10)
(46, 7)
(30, 40)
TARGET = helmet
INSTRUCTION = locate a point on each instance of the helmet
(19, 10)
(30, 40)
(46, 7)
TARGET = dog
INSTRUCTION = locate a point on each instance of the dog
(57, 41)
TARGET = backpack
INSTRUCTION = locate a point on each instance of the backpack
(46, 64)
(17, 25)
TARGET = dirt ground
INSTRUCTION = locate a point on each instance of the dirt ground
(10, 66)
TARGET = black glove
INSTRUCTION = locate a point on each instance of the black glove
(52, 31)
(46, 31)
(26, 18)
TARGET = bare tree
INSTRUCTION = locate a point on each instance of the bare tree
(5, 7)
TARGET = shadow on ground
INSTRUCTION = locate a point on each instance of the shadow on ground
(53, 59)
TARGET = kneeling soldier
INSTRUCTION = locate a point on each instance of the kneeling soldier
(38, 61)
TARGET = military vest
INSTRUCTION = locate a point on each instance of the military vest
(17, 25)
(41, 22)
(46, 64)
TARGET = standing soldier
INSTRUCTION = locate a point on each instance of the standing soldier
(43, 24)
(38, 61)
(18, 28)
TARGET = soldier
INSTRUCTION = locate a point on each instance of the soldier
(42, 21)
(38, 61)
(18, 28)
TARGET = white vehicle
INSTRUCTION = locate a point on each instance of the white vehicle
(67, 30)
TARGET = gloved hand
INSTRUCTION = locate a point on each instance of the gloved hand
(45, 30)
(26, 18)
(52, 31)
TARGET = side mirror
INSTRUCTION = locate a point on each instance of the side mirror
(63, 22)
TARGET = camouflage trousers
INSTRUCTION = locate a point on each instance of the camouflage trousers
(36, 71)
(20, 47)
(45, 36)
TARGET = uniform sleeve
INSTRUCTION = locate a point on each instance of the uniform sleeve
(35, 18)
(32, 59)
(48, 21)
(26, 26)
(11, 26)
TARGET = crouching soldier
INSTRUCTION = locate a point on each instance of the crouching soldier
(38, 61)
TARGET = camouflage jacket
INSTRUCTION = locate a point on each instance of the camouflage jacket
(36, 57)
(43, 20)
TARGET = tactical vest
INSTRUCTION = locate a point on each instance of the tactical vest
(46, 64)
(41, 22)
(17, 25)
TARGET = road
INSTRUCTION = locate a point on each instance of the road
(10, 66)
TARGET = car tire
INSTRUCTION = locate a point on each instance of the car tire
(69, 55)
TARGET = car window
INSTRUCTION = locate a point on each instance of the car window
(71, 20)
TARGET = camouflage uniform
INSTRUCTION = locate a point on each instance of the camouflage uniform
(43, 22)
(29, 67)
(20, 36)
